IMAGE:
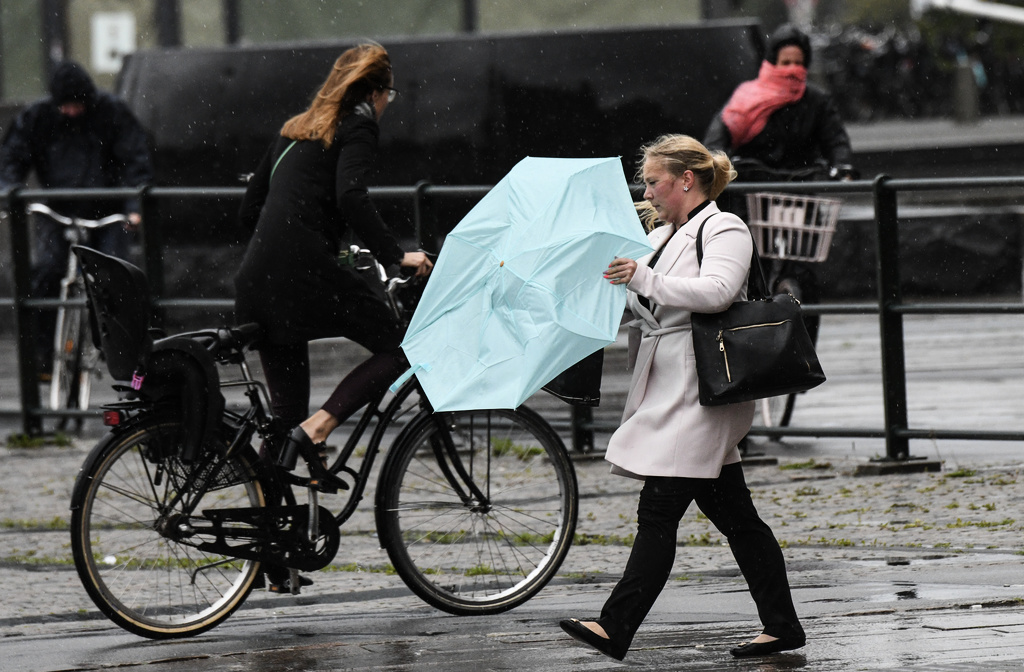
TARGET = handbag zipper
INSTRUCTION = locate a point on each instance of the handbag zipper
(721, 341)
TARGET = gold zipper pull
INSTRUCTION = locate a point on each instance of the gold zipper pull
(725, 355)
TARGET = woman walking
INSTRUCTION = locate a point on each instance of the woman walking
(685, 452)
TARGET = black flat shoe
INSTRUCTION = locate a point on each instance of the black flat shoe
(298, 443)
(751, 649)
(582, 633)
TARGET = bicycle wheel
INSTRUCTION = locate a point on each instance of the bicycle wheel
(477, 509)
(67, 344)
(775, 411)
(136, 549)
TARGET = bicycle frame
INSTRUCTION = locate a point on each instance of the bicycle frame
(456, 504)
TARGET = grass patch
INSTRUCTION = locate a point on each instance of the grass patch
(961, 473)
(20, 440)
(55, 523)
(809, 464)
(981, 523)
(581, 539)
(386, 568)
(31, 558)
(503, 447)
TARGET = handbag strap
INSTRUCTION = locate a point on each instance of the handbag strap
(757, 286)
(279, 159)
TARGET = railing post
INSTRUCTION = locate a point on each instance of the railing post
(894, 374)
(151, 233)
(582, 428)
(25, 322)
(424, 220)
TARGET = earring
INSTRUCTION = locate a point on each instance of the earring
(685, 188)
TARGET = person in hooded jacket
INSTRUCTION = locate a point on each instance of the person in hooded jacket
(781, 119)
(78, 137)
(787, 124)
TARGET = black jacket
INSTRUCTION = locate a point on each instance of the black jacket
(290, 280)
(795, 136)
(105, 147)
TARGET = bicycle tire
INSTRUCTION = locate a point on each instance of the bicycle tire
(67, 344)
(145, 581)
(463, 553)
(775, 411)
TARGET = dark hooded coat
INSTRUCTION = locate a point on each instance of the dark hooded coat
(796, 135)
(104, 147)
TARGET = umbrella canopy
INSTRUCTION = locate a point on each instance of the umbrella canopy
(518, 294)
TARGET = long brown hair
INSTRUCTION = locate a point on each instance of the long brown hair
(679, 153)
(356, 74)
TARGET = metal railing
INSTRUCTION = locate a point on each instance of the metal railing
(889, 306)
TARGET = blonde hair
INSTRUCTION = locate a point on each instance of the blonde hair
(677, 154)
(356, 74)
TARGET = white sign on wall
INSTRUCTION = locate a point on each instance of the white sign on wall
(113, 36)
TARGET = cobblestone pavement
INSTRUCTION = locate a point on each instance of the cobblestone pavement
(818, 509)
(906, 536)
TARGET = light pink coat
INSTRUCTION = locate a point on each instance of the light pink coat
(664, 430)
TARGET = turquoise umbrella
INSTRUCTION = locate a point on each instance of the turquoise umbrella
(518, 294)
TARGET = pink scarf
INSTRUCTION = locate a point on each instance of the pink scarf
(747, 112)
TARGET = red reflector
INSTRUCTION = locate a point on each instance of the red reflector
(111, 418)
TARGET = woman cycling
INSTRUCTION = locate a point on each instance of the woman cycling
(307, 195)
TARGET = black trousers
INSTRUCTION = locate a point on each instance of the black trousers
(726, 502)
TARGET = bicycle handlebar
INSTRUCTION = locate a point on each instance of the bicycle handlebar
(819, 169)
(363, 259)
(42, 209)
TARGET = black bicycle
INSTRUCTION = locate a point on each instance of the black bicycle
(792, 232)
(174, 514)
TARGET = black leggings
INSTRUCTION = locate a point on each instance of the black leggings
(286, 368)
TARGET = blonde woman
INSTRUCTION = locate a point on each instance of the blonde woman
(685, 452)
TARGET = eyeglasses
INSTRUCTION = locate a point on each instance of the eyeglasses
(392, 94)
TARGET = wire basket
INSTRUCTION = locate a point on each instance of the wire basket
(792, 226)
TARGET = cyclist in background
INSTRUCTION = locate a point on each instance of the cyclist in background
(780, 119)
(78, 137)
(787, 125)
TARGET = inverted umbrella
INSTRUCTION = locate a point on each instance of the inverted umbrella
(518, 295)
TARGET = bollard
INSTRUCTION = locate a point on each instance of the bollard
(965, 94)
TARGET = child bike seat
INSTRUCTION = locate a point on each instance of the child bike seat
(176, 371)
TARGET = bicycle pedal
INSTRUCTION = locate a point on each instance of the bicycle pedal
(326, 488)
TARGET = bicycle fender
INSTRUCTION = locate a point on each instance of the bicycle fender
(81, 480)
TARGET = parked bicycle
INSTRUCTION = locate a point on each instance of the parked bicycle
(792, 231)
(174, 514)
(76, 361)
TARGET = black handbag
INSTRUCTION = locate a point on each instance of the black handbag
(754, 349)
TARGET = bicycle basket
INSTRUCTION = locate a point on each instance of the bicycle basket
(792, 226)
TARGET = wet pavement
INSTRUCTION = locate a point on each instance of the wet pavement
(917, 571)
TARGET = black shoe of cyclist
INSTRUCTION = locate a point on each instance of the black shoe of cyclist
(298, 443)
(279, 581)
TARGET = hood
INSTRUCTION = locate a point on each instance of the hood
(786, 35)
(72, 84)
